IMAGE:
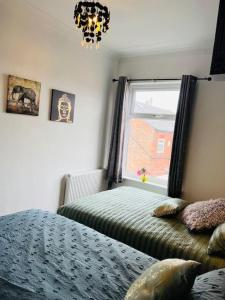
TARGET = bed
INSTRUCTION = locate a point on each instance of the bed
(46, 256)
(125, 214)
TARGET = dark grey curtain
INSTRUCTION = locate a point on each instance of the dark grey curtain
(115, 162)
(181, 133)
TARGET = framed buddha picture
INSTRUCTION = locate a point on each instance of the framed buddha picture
(62, 107)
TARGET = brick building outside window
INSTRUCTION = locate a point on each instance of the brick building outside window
(150, 128)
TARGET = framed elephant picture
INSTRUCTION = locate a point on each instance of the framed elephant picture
(23, 96)
(62, 107)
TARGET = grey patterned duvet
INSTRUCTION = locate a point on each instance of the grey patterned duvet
(46, 256)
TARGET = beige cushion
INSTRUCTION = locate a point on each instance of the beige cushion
(165, 280)
(217, 241)
(169, 207)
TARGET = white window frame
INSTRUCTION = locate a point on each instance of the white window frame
(154, 86)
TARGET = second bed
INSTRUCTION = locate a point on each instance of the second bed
(125, 214)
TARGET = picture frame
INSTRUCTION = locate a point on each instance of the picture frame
(23, 96)
(62, 106)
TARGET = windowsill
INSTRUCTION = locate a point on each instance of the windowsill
(156, 188)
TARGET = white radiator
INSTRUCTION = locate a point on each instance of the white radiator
(83, 184)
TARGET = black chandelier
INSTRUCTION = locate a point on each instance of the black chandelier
(93, 18)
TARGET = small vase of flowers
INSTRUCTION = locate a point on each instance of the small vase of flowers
(143, 174)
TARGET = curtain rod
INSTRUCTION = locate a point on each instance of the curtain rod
(162, 79)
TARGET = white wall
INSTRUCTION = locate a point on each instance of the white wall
(34, 152)
(166, 65)
(205, 165)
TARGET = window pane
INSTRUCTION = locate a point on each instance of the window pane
(149, 147)
(156, 102)
(161, 145)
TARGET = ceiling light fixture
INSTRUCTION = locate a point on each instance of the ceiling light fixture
(93, 19)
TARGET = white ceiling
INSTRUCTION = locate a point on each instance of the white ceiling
(148, 26)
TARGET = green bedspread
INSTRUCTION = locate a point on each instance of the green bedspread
(125, 214)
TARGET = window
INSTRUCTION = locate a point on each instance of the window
(161, 146)
(149, 131)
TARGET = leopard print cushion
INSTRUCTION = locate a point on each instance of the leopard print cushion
(204, 215)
